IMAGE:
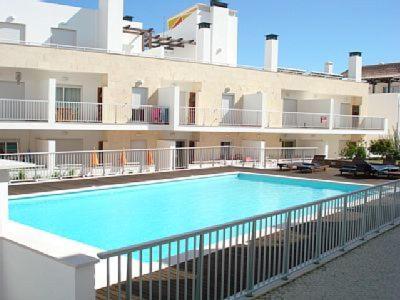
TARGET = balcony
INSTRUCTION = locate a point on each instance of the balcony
(214, 117)
(90, 112)
(23, 110)
(20, 110)
(303, 120)
(358, 122)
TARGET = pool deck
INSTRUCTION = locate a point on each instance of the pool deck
(371, 271)
(30, 188)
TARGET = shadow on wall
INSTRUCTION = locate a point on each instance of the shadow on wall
(80, 30)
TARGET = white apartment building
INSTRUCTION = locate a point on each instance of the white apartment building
(76, 79)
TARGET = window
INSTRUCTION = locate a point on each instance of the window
(61, 36)
(7, 147)
(12, 31)
(68, 94)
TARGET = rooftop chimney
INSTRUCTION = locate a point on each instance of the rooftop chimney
(218, 3)
(328, 69)
(271, 53)
(204, 43)
(355, 66)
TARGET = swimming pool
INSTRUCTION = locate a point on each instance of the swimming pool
(122, 216)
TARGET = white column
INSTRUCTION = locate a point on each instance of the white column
(332, 114)
(203, 44)
(169, 97)
(328, 68)
(48, 146)
(51, 96)
(326, 150)
(271, 53)
(355, 66)
(3, 200)
(167, 159)
(84, 275)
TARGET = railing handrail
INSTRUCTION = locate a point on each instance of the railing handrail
(141, 246)
(220, 108)
(306, 113)
(25, 100)
(153, 149)
(359, 116)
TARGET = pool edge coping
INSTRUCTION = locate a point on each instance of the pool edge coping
(155, 181)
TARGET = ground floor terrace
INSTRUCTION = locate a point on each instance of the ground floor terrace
(76, 154)
(314, 235)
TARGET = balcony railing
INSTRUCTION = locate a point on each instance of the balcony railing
(91, 112)
(198, 116)
(23, 110)
(82, 112)
(358, 122)
(305, 120)
(57, 165)
(149, 114)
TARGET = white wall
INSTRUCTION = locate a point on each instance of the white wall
(223, 35)
(29, 274)
(39, 17)
(94, 28)
(36, 83)
(384, 105)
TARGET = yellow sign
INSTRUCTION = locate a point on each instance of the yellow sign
(175, 21)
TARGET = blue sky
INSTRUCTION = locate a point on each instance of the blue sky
(311, 31)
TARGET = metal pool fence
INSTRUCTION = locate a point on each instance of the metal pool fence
(236, 258)
(58, 165)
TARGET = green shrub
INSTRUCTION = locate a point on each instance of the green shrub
(353, 149)
(386, 148)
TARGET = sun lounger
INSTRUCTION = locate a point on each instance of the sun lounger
(311, 167)
(361, 166)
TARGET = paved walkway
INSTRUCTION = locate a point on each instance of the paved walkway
(371, 271)
(329, 174)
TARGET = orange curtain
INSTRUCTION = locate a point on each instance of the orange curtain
(94, 159)
(149, 156)
(122, 158)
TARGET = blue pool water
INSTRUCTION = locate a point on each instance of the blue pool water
(118, 217)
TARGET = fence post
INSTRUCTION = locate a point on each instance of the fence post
(285, 263)
(213, 155)
(199, 277)
(344, 224)
(319, 235)
(233, 155)
(364, 216)
(265, 158)
(394, 203)
(128, 287)
(250, 260)
(379, 213)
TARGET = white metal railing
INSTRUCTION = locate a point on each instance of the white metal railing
(358, 122)
(150, 114)
(234, 259)
(199, 116)
(23, 110)
(91, 112)
(305, 120)
(58, 165)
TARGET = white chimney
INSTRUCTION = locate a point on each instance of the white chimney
(328, 69)
(203, 43)
(271, 53)
(110, 23)
(355, 66)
